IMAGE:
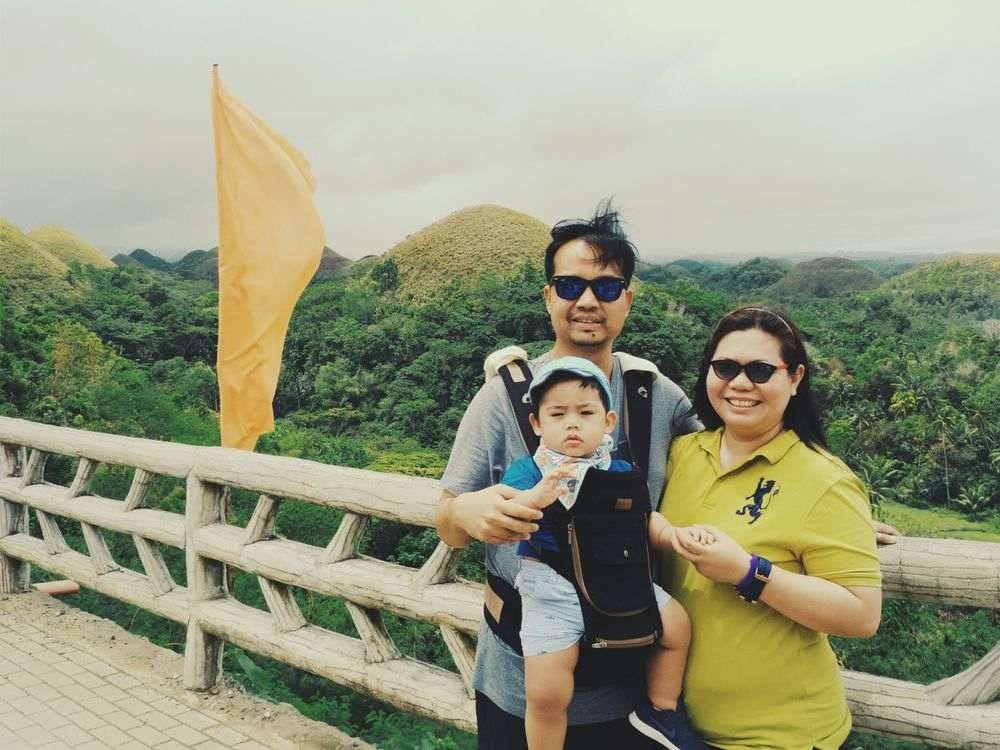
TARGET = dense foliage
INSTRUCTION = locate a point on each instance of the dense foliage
(908, 375)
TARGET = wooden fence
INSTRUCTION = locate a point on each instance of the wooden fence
(958, 712)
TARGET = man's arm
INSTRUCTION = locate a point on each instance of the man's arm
(886, 534)
(489, 515)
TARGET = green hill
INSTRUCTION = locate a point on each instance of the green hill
(25, 267)
(963, 284)
(466, 245)
(147, 259)
(126, 261)
(825, 277)
(332, 265)
(67, 247)
(199, 264)
(204, 265)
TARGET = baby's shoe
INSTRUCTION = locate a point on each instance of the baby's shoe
(669, 728)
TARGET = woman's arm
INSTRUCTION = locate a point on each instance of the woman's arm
(810, 601)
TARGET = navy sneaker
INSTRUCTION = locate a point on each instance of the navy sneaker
(669, 728)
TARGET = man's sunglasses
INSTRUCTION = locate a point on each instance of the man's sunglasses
(757, 372)
(606, 288)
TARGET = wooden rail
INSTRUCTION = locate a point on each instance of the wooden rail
(958, 712)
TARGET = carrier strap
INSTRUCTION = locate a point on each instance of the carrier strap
(502, 610)
(639, 415)
(517, 379)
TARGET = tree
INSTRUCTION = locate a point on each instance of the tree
(386, 275)
(79, 359)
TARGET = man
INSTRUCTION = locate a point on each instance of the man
(588, 266)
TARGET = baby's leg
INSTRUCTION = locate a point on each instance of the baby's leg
(551, 628)
(665, 668)
(548, 685)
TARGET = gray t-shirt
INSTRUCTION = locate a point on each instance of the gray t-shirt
(487, 442)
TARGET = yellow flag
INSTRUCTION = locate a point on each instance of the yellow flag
(270, 243)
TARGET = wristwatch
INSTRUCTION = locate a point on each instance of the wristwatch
(752, 585)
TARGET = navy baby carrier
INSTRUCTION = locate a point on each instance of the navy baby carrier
(603, 547)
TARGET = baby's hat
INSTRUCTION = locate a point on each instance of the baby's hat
(576, 365)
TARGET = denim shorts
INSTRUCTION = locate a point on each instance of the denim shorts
(551, 619)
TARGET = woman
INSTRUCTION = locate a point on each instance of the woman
(793, 556)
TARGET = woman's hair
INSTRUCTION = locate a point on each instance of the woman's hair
(801, 414)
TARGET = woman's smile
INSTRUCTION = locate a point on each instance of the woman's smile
(741, 403)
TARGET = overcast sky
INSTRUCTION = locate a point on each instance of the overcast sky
(764, 127)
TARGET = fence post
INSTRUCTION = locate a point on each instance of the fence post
(15, 575)
(206, 579)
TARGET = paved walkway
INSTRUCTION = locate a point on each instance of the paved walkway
(63, 692)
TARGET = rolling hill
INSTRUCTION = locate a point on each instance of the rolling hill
(204, 264)
(26, 268)
(68, 247)
(964, 284)
(825, 277)
(466, 245)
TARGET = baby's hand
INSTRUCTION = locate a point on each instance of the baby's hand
(548, 490)
(698, 534)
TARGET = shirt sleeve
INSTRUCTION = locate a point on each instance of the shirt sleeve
(684, 419)
(521, 475)
(839, 541)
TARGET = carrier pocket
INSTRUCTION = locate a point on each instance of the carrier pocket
(611, 562)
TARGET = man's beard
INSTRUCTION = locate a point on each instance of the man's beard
(586, 340)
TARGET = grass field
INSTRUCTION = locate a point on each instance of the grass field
(940, 523)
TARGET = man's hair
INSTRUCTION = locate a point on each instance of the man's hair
(802, 414)
(603, 233)
(564, 376)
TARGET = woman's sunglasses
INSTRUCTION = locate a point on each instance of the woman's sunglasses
(606, 288)
(757, 372)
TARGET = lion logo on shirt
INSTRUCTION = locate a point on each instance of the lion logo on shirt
(760, 498)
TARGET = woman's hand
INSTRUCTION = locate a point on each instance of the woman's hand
(722, 560)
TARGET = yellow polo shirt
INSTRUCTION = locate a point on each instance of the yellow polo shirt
(755, 679)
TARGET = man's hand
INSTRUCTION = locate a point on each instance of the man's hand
(886, 534)
(490, 515)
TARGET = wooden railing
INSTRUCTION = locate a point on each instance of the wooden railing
(958, 712)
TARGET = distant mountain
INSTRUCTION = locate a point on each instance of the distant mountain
(27, 268)
(825, 277)
(198, 264)
(147, 259)
(126, 261)
(886, 257)
(332, 265)
(466, 245)
(204, 265)
(68, 247)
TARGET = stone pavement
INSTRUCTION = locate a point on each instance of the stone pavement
(60, 690)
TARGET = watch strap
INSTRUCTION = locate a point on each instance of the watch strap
(758, 575)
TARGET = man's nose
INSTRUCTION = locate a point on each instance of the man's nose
(587, 299)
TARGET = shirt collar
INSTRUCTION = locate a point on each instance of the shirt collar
(773, 450)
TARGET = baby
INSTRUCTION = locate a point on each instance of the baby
(571, 401)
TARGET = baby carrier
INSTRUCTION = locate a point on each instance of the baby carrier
(603, 547)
